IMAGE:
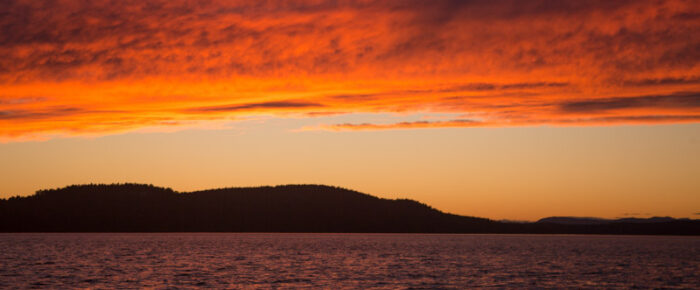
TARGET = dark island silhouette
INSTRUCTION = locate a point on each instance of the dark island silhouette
(289, 208)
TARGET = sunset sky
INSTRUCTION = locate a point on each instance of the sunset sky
(502, 109)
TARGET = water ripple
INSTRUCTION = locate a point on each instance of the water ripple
(346, 261)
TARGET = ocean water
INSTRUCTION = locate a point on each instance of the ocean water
(231, 260)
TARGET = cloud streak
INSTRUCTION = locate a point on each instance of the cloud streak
(253, 106)
(508, 62)
(456, 123)
(469, 123)
(683, 101)
(35, 115)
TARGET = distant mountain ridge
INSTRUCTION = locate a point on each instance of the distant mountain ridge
(600, 221)
(287, 208)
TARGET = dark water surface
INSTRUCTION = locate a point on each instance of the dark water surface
(185, 260)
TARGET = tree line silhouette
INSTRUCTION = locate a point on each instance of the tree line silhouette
(289, 208)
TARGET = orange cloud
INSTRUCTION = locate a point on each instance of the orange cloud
(402, 125)
(97, 67)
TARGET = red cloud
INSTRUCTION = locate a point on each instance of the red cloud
(105, 66)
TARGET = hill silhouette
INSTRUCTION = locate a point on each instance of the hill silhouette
(601, 221)
(288, 208)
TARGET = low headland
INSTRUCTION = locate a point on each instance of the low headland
(288, 208)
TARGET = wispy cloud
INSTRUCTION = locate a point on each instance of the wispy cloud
(684, 101)
(34, 115)
(401, 125)
(251, 106)
(509, 62)
(468, 123)
(663, 81)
